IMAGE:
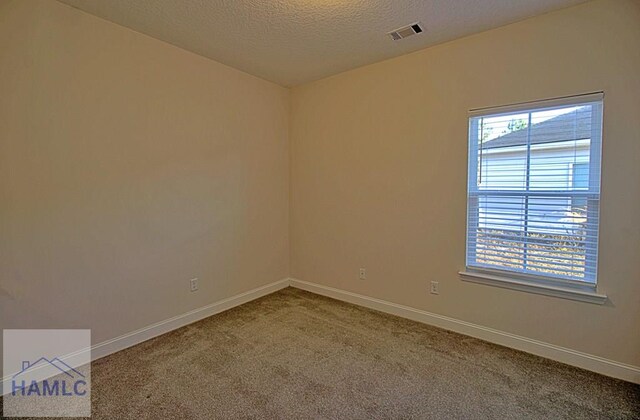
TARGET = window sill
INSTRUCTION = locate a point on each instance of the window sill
(528, 286)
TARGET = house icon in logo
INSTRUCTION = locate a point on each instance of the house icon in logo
(55, 362)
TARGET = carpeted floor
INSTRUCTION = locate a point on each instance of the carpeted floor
(296, 355)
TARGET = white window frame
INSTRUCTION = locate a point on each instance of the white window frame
(541, 284)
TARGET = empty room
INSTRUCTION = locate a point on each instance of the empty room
(320, 209)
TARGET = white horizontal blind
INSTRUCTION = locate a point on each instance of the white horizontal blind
(534, 188)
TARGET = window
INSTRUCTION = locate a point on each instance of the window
(534, 190)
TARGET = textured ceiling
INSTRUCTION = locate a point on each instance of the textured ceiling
(296, 41)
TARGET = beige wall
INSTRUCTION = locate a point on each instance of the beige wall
(379, 173)
(127, 167)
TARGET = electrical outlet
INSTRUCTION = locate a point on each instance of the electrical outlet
(194, 285)
(435, 288)
(363, 274)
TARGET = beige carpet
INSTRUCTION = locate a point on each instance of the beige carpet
(296, 355)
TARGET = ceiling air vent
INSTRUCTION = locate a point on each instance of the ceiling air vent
(405, 31)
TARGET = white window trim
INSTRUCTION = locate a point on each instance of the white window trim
(567, 289)
(523, 106)
(582, 294)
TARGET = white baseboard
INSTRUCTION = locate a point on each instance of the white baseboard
(146, 333)
(550, 351)
(143, 334)
(571, 357)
